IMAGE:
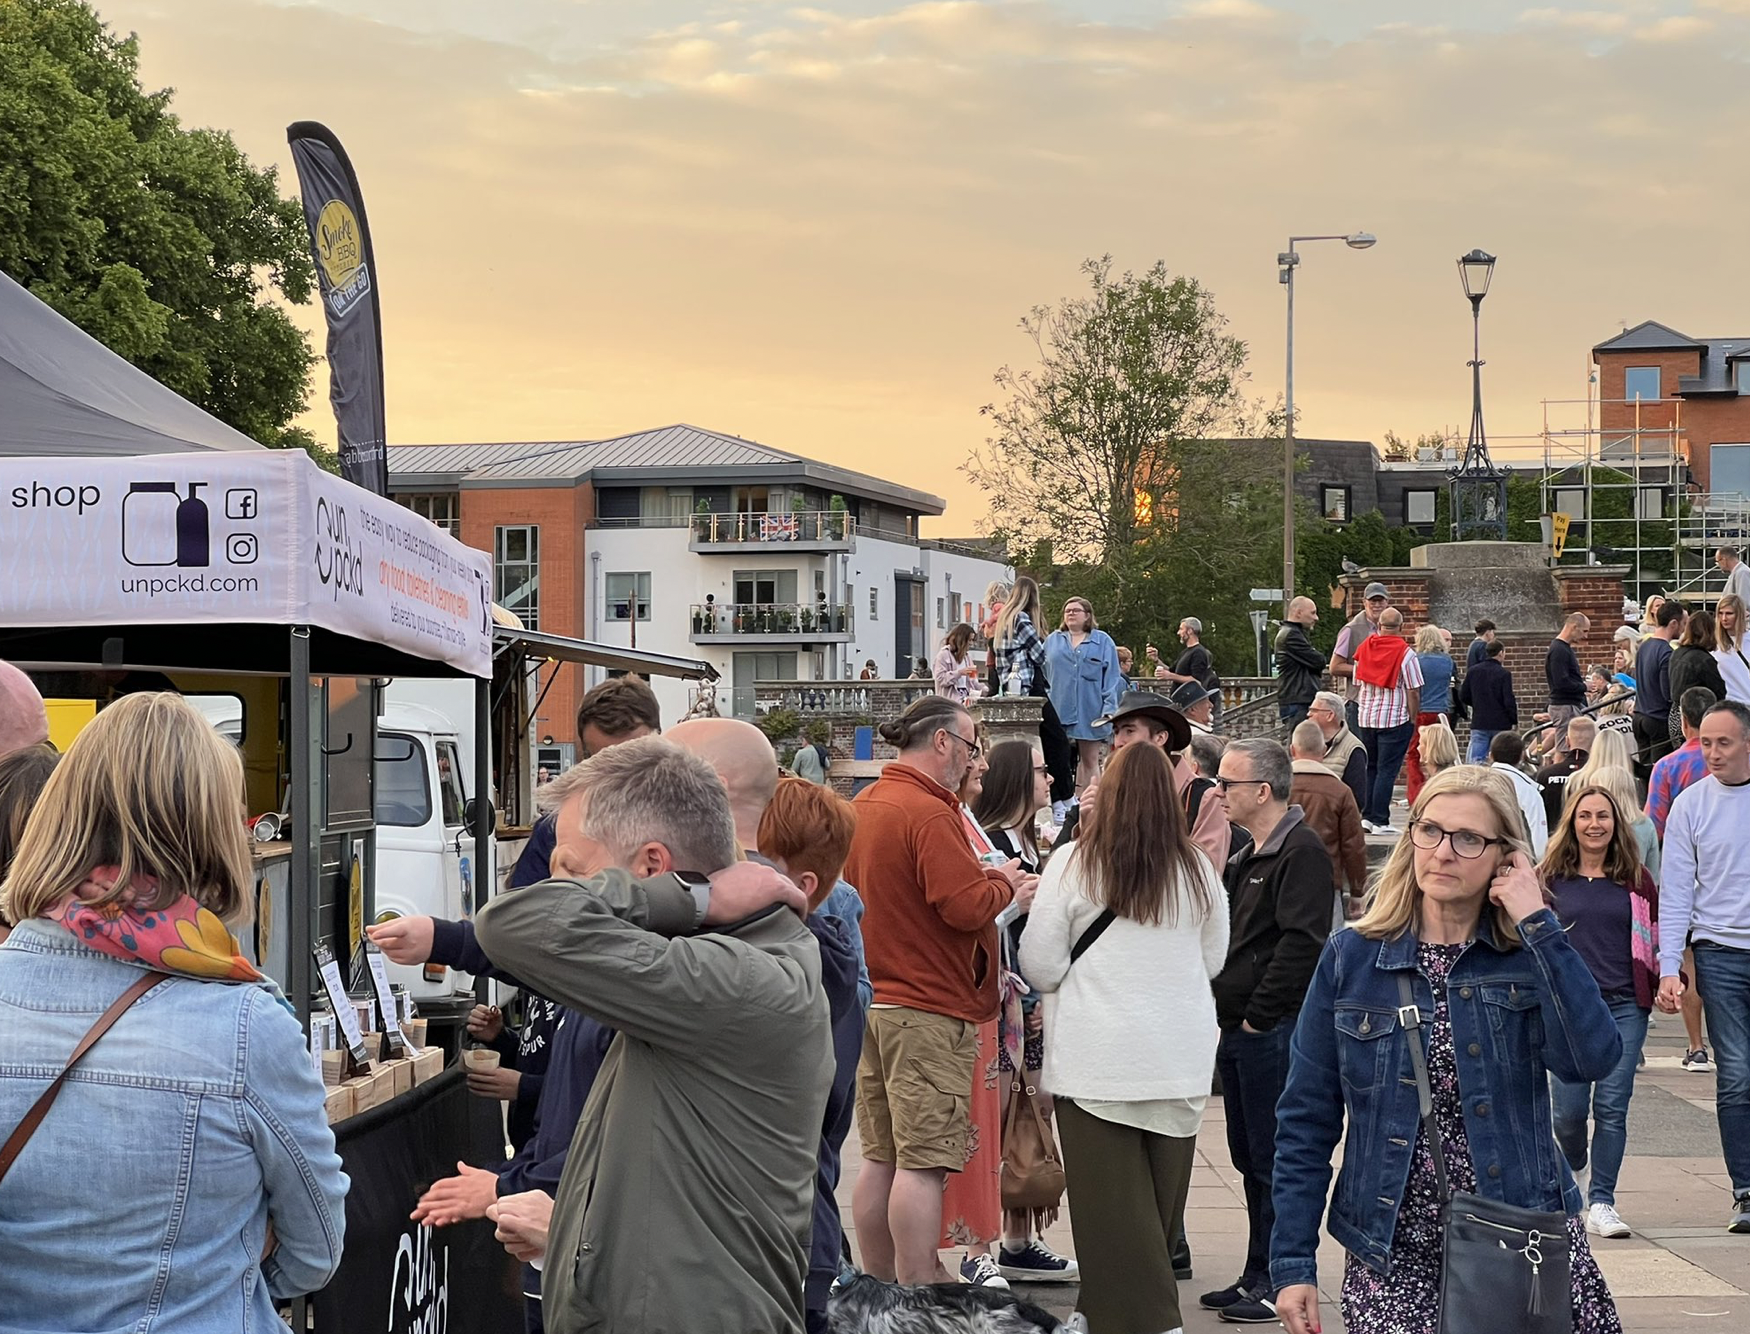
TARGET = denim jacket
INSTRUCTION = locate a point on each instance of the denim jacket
(1516, 1014)
(142, 1201)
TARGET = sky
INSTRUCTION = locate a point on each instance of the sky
(818, 226)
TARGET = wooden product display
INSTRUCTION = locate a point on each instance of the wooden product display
(429, 1064)
(338, 1103)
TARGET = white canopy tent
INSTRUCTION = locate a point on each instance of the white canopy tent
(64, 393)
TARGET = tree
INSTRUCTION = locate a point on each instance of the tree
(163, 243)
(1399, 450)
(1111, 452)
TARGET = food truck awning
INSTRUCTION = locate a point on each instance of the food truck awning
(95, 547)
(557, 648)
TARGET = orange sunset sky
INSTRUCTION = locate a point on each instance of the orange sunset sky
(817, 226)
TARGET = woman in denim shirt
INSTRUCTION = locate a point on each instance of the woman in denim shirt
(1460, 909)
(145, 1199)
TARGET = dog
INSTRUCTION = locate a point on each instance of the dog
(866, 1305)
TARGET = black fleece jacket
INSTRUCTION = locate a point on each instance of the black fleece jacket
(1281, 900)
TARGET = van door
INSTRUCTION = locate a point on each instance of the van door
(415, 850)
(459, 861)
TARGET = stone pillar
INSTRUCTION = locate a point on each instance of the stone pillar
(1009, 717)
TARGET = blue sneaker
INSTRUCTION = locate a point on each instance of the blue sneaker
(1037, 1263)
(981, 1271)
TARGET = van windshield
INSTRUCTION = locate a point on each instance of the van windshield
(403, 786)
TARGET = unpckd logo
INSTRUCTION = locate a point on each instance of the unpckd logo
(339, 565)
(162, 525)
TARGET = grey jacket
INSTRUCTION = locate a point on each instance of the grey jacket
(687, 1196)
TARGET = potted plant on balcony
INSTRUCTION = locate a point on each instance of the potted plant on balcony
(807, 621)
(698, 620)
(786, 620)
(836, 524)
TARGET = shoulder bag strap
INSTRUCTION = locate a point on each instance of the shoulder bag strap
(34, 1117)
(1096, 929)
(1410, 1020)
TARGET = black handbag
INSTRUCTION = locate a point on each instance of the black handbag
(1503, 1269)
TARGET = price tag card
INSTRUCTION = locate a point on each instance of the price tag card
(335, 985)
(389, 1020)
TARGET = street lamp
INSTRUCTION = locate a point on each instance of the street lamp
(1478, 488)
(1287, 262)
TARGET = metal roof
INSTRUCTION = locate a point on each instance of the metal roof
(1648, 336)
(668, 453)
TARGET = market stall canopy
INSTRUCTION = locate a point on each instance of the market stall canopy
(64, 393)
(230, 541)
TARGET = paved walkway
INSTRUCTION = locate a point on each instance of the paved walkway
(1680, 1271)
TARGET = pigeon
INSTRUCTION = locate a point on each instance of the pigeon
(1350, 567)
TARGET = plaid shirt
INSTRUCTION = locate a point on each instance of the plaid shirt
(1389, 706)
(1023, 652)
(1671, 775)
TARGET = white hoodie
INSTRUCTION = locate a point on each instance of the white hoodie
(1530, 805)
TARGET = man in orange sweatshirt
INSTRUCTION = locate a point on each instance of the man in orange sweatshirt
(930, 938)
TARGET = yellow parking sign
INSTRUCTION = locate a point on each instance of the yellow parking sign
(1558, 533)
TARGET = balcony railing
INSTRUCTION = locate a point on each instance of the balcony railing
(798, 620)
(790, 527)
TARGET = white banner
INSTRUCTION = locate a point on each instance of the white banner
(252, 537)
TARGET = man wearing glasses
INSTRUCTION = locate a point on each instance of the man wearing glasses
(1281, 895)
(930, 938)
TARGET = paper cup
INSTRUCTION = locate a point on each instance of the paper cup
(480, 1058)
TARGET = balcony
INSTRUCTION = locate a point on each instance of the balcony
(771, 622)
(800, 531)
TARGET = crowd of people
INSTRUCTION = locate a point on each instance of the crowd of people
(1018, 968)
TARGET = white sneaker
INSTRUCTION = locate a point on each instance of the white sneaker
(1387, 828)
(1369, 827)
(1602, 1220)
(1077, 1324)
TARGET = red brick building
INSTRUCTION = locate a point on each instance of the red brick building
(1680, 394)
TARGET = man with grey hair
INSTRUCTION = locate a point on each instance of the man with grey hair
(696, 1151)
(1345, 756)
(1737, 573)
(1280, 893)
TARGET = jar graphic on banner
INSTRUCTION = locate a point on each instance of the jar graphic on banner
(160, 526)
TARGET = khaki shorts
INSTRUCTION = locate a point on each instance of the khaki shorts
(914, 1089)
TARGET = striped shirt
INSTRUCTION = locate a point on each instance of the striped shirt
(1389, 706)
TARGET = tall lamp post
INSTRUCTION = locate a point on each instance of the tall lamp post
(1478, 488)
(1287, 262)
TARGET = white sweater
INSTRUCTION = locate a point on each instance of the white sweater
(1133, 1020)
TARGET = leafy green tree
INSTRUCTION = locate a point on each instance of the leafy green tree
(164, 243)
(1110, 454)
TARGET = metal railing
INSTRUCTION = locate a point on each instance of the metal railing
(774, 527)
(771, 618)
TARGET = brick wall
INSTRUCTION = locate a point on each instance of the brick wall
(1703, 422)
(561, 513)
(1408, 589)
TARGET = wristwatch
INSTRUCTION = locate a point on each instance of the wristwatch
(699, 886)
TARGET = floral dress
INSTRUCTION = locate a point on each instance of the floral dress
(1407, 1300)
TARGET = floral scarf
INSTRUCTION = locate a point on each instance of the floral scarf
(183, 939)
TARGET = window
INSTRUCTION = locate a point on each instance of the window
(1729, 469)
(941, 611)
(1741, 377)
(403, 789)
(443, 509)
(1650, 503)
(450, 789)
(874, 604)
(764, 586)
(628, 597)
(1570, 501)
(1419, 508)
(1334, 503)
(750, 500)
(1640, 382)
(516, 571)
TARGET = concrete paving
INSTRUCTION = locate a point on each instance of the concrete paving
(1680, 1270)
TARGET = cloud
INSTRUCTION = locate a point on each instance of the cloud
(818, 227)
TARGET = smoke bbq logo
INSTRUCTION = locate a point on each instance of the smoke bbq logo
(419, 1289)
(340, 565)
(340, 250)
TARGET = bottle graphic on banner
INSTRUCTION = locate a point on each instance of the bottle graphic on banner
(161, 527)
(193, 536)
(149, 524)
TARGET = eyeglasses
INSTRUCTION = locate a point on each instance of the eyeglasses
(1465, 842)
(1225, 783)
(972, 747)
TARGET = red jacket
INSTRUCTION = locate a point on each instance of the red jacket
(929, 905)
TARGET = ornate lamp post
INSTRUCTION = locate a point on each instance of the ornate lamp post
(1477, 487)
(1288, 261)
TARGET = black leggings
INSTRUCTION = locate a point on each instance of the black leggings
(1060, 755)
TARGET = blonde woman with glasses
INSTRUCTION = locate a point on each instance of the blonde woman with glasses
(1501, 1000)
(187, 1178)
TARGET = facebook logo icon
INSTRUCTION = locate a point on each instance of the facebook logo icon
(241, 503)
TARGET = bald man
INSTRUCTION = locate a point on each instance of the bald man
(1300, 668)
(743, 759)
(24, 719)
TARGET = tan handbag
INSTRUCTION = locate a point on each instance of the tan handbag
(1032, 1166)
